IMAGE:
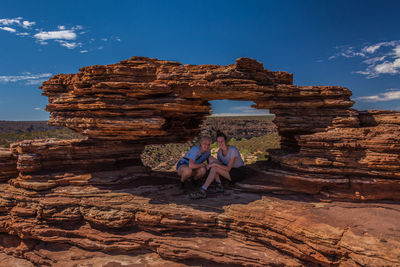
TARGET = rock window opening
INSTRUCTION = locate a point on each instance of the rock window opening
(251, 130)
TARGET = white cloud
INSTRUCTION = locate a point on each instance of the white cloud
(83, 51)
(68, 37)
(35, 82)
(11, 21)
(380, 58)
(8, 29)
(56, 35)
(29, 78)
(17, 22)
(347, 52)
(69, 45)
(374, 60)
(393, 94)
(371, 49)
(37, 109)
(397, 51)
(388, 67)
(27, 24)
(62, 36)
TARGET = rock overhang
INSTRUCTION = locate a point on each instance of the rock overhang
(95, 194)
(326, 145)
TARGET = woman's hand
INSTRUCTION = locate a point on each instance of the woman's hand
(209, 166)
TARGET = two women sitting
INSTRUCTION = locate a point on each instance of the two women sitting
(229, 164)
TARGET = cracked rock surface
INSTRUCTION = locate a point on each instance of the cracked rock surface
(235, 228)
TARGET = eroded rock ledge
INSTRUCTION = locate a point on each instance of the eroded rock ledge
(8, 165)
(94, 195)
(235, 228)
(326, 146)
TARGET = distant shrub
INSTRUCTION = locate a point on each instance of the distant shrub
(11, 137)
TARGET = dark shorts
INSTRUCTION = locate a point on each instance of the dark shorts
(237, 174)
(181, 162)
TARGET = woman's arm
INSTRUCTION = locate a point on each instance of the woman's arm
(211, 159)
(193, 165)
(223, 167)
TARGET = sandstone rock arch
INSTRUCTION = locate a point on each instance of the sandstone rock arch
(162, 101)
(327, 147)
(64, 190)
(324, 142)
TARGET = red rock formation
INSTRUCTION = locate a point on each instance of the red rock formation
(8, 165)
(45, 164)
(155, 101)
(361, 163)
(234, 228)
(152, 100)
(94, 194)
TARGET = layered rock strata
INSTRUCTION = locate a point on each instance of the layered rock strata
(154, 101)
(94, 194)
(361, 163)
(232, 229)
(148, 99)
(8, 165)
(48, 163)
(162, 101)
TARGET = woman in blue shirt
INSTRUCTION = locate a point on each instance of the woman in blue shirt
(228, 164)
(192, 163)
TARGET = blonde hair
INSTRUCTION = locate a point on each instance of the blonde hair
(204, 137)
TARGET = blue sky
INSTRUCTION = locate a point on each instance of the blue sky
(355, 44)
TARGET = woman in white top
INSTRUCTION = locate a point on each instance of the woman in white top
(228, 165)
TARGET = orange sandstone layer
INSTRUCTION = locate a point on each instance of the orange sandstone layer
(234, 229)
(94, 194)
(8, 165)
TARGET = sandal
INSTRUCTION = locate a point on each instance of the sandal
(199, 194)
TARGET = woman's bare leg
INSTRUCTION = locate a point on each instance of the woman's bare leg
(217, 178)
(210, 178)
(214, 174)
(184, 172)
(223, 173)
(200, 172)
(214, 160)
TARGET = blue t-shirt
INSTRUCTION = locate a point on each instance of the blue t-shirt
(233, 152)
(195, 154)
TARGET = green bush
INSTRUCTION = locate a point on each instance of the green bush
(11, 137)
